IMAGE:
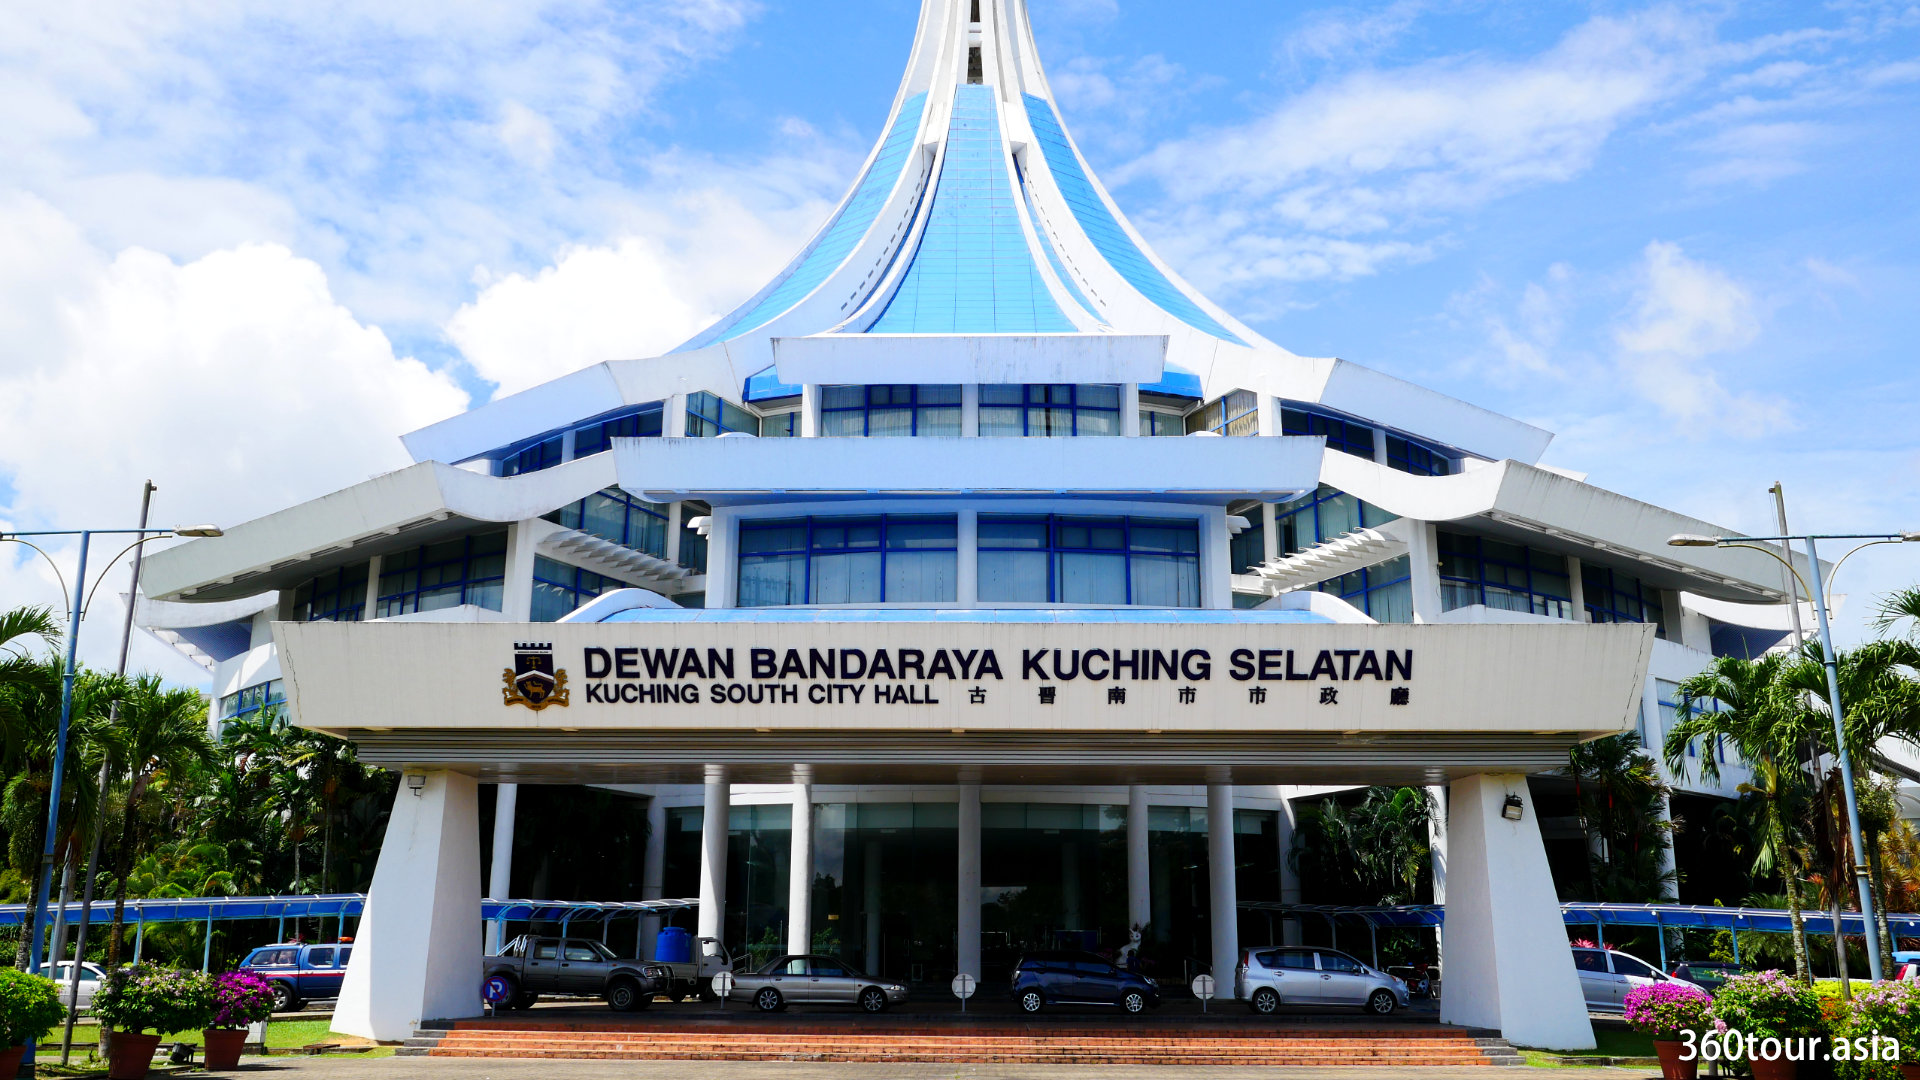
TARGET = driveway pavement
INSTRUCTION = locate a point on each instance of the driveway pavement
(338, 1068)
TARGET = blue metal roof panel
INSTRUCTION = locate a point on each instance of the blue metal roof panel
(1175, 381)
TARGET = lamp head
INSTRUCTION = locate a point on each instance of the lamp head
(1514, 809)
(200, 531)
(1911, 536)
(1692, 540)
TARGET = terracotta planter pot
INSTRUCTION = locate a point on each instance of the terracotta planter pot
(223, 1047)
(1778, 1069)
(10, 1061)
(1907, 1072)
(1671, 1067)
(131, 1056)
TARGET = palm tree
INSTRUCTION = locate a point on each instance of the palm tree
(1374, 850)
(162, 731)
(1902, 606)
(1782, 795)
(1619, 791)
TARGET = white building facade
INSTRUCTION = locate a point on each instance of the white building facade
(976, 415)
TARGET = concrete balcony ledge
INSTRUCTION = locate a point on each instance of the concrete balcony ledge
(1195, 469)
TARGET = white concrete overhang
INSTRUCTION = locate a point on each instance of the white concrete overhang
(403, 509)
(1553, 512)
(970, 358)
(729, 471)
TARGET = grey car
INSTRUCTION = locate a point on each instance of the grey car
(1301, 975)
(815, 980)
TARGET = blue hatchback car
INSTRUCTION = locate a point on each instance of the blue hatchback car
(1043, 979)
(300, 973)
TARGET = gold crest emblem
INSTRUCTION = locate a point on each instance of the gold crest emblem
(533, 681)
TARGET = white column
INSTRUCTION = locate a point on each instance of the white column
(673, 417)
(516, 601)
(967, 925)
(713, 854)
(870, 905)
(1139, 878)
(967, 581)
(1216, 561)
(722, 566)
(969, 409)
(1423, 557)
(1221, 891)
(500, 874)
(1270, 534)
(1509, 967)
(675, 520)
(1130, 410)
(373, 588)
(1576, 578)
(419, 935)
(1437, 858)
(810, 411)
(653, 871)
(800, 865)
(1289, 877)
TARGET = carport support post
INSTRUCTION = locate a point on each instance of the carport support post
(967, 896)
(206, 951)
(500, 874)
(715, 809)
(1509, 965)
(1289, 877)
(1225, 916)
(1139, 879)
(800, 865)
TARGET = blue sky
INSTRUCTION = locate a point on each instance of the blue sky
(259, 241)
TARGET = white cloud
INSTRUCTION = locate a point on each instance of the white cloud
(1334, 34)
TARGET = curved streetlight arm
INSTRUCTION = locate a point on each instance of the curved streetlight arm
(1775, 556)
(43, 554)
(97, 582)
(1835, 572)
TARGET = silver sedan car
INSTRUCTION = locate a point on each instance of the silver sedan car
(815, 980)
(1299, 975)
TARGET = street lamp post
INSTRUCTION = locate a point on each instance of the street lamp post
(1817, 588)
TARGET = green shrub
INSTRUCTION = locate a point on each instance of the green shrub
(29, 1007)
(158, 999)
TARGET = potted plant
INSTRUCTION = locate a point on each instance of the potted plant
(29, 1007)
(1667, 1010)
(144, 999)
(1768, 1011)
(239, 999)
(1887, 1010)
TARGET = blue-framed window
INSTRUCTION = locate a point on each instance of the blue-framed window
(1384, 591)
(1041, 409)
(614, 515)
(890, 559)
(889, 410)
(785, 425)
(1416, 457)
(559, 589)
(1248, 548)
(693, 546)
(1510, 577)
(1153, 422)
(337, 596)
(468, 570)
(544, 454)
(252, 699)
(1116, 561)
(1346, 436)
(1325, 514)
(709, 415)
(599, 435)
(1613, 596)
(1237, 413)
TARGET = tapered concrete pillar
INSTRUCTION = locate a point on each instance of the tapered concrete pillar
(967, 896)
(418, 954)
(500, 874)
(1509, 967)
(1139, 877)
(653, 872)
(1223, 895)
(713, 853)
(1289, 877)
(870, 877)
(800, 866)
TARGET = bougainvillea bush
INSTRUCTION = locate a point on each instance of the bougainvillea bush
(240, 999)
(160, 1000)
(1665, 1009)
(1887, 1010)
(1767, 1003)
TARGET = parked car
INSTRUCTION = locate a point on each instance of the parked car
(1606, 976)
(1044, 979)
(91, 976)
(300, 973)
(530, 966)
(815, 980)
(1706, 974)
(1268, 978)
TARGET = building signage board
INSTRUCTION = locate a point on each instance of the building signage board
(1120, 676)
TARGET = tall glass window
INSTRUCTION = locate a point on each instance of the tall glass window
(251, 700)
(544, 454)
(598, 436)
(890, 410)
(614, 515)
(889, 559)
(1614, 596)
(559, 589)
(337, 596)
(1326, 514)
(1238, 413)
(693, 546)
(469, 570)
(784, 425)
(1248, 548)
(709, 415)
(1413, 456)
(1383, 591)
(1047, 409)
(1145, 562)
(1481, 570)
(1153, 422)
(1343, 435)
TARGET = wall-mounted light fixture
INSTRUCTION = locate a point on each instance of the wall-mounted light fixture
(1514, 808)
(416, 783)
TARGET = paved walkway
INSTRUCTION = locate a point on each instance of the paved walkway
(337, 1068)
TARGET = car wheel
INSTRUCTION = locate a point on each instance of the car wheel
(1031, 1002)
(769, 1000)
(524, 1000)
(1133, 1002)
(284, 998)
(677, 994)
(1381, 1003)
(1266, 1001)
(625, 996)
(705, 991)
(873, 1000)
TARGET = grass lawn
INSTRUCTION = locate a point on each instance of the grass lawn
(281, 1035)
(1611, 1042)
